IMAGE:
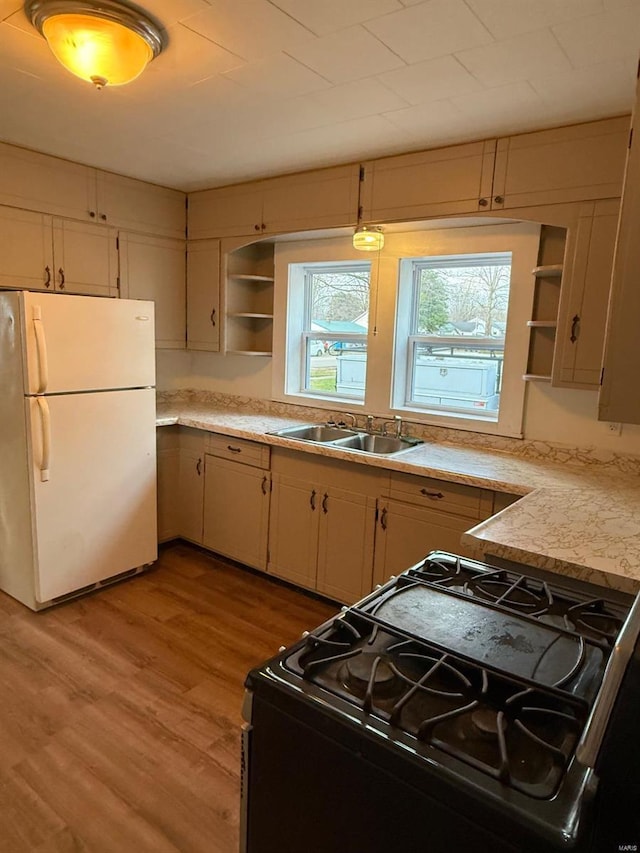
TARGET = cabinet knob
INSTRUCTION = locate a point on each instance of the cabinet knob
(499, 199)
(61, 275)
(483, 202)
(103, 216)
(257, 227)
(47, 281)
(92, 214)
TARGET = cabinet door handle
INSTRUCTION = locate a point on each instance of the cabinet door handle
(234, 449)
(199, 467)
(324, 503)
(47, 281)
(434, 496)
(574, 329)
(265, 480)
(383, 519)
(213, 314)
(312, 500)
(61, 274)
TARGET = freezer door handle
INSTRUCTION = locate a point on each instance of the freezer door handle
(41, 347)
(45, 420)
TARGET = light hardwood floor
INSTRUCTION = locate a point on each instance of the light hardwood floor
(120, 711)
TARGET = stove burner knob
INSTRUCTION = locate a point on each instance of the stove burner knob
(305, 634)
(378, 586)
(344, 609)
(282, 649)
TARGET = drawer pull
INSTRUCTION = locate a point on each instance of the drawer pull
(434, 496)
(234, 449)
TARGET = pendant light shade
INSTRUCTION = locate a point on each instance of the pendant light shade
(105, 43)
(368, 239)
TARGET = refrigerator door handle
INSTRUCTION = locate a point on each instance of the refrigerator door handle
(45, 420)
(41, 347)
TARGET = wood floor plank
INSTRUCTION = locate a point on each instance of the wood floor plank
(120, 713)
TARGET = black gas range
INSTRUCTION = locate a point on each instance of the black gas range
(459, 707)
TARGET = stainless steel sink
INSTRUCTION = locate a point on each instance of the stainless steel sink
(316, 432)
(381, 444)
(348, 439)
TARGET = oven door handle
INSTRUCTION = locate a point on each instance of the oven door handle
(591, 740)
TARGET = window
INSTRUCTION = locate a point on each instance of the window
(330, 330)
(455, 333)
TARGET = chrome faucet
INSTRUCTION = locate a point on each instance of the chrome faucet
(369, 426)
(397, 423)
(354, 420)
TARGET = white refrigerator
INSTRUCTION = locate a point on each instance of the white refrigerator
(77, 443)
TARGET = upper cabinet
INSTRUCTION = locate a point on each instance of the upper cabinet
(576, 163)
(154, 268)
(138, 206)
(619, 398)
(38, 182)
(567, 164)
(203, 295)
(320, 198)
(443, 181)
(41, 252)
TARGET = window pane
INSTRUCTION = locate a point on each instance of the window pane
(335, 332)
(459, 324)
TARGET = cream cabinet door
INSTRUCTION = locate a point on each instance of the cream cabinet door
(35, 181)
(225, 212)
(236, 511)
(26, 250)
(405, 534)
(203, 295)
(155, 268)
(293, 530)
(429, 183)
(566, 164)
(585, 294)
(345, 544)
(191, 495)
(320, 198)
(85, 258)
(138, 206)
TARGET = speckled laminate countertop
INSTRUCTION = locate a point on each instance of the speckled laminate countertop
(578, 520)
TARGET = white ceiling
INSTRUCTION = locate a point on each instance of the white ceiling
(250, 88)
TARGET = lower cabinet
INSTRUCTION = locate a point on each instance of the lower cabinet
(236, 510)
(191, 484)
(321, 534)
(421, 515)
(168, 457)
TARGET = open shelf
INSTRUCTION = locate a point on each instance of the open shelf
(546, 302)
(249, 300)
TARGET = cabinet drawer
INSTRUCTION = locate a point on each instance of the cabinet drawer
(467, 501)
(238, 449)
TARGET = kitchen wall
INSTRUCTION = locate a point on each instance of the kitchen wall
(561, 416)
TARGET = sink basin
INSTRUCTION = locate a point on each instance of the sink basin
(316, 432)
(382, 444)
(348, 439)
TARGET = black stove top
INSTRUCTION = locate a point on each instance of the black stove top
(498, 669)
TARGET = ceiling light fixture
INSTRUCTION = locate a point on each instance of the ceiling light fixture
(368, 239)
(104, 42)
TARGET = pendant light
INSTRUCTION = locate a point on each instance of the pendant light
(367, 239)
(104, 42)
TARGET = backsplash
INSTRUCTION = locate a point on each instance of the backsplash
(542, 450)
